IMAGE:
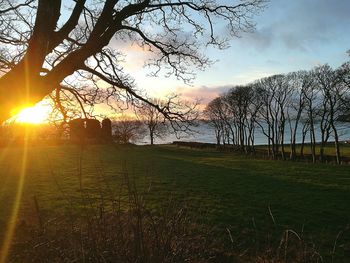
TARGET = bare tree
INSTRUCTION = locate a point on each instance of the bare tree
(344, 77)
(233, 116)
(300, 82)
(215, 114)
(308, 102)
(153, 119)
(305, 129)
(41, 50)
(240, 104)
(270, 117)
(127, 130)
(253, 111)
(337, 93)
(283, 98)
(158, 125)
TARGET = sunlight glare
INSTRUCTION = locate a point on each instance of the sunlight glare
(34, 115)
(12, 221)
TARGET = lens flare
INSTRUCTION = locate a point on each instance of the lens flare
(11, 224)
(33, 115)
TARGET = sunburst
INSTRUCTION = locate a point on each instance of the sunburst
(34, 115)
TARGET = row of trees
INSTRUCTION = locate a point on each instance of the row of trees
(151, 122)
(131, 130)
(303, 104)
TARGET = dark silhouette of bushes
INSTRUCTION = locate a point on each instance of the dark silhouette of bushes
(90, 129)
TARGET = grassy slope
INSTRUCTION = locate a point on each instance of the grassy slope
(222, 188)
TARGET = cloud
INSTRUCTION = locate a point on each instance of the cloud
(273, 62)
(203, 93)
(299, 25)
(261, 39)
(135, 56)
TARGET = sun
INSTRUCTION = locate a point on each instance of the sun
(33, 115)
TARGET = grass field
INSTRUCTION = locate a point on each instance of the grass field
(222, 189)
(328, 150)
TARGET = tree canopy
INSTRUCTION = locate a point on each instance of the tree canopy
(46, 45)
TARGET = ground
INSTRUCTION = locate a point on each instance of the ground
(221, 189)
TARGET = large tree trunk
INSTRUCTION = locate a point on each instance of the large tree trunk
(27, 83)
(218, 136)
(313, 145)
(302, 147)
(322, 145)
(337, 146)
(293, 151)
(304, 132)
(152, 139)
(336, 137)
(23, 85)
(282, 141)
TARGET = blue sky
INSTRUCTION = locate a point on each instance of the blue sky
(289, 36)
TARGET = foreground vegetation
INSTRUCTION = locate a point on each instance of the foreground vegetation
(244, 202)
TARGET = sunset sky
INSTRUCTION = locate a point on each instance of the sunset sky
(289, 36)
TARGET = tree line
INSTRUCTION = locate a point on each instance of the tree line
(298, 104)
(151, 122)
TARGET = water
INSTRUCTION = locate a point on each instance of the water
(205, 133)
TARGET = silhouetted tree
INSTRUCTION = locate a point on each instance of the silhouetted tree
(46, 44)
(308, 102)
(153, 119)
(240, 107)
(300, 82)
(127, 130)
(215, 114)
(158, 125)
(270, 116)
(337, 94)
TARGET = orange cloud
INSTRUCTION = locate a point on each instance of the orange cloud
(203, 93)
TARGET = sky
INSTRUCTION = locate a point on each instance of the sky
(289, 36)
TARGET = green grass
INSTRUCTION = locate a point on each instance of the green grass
(328, 150)
(222, 189)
